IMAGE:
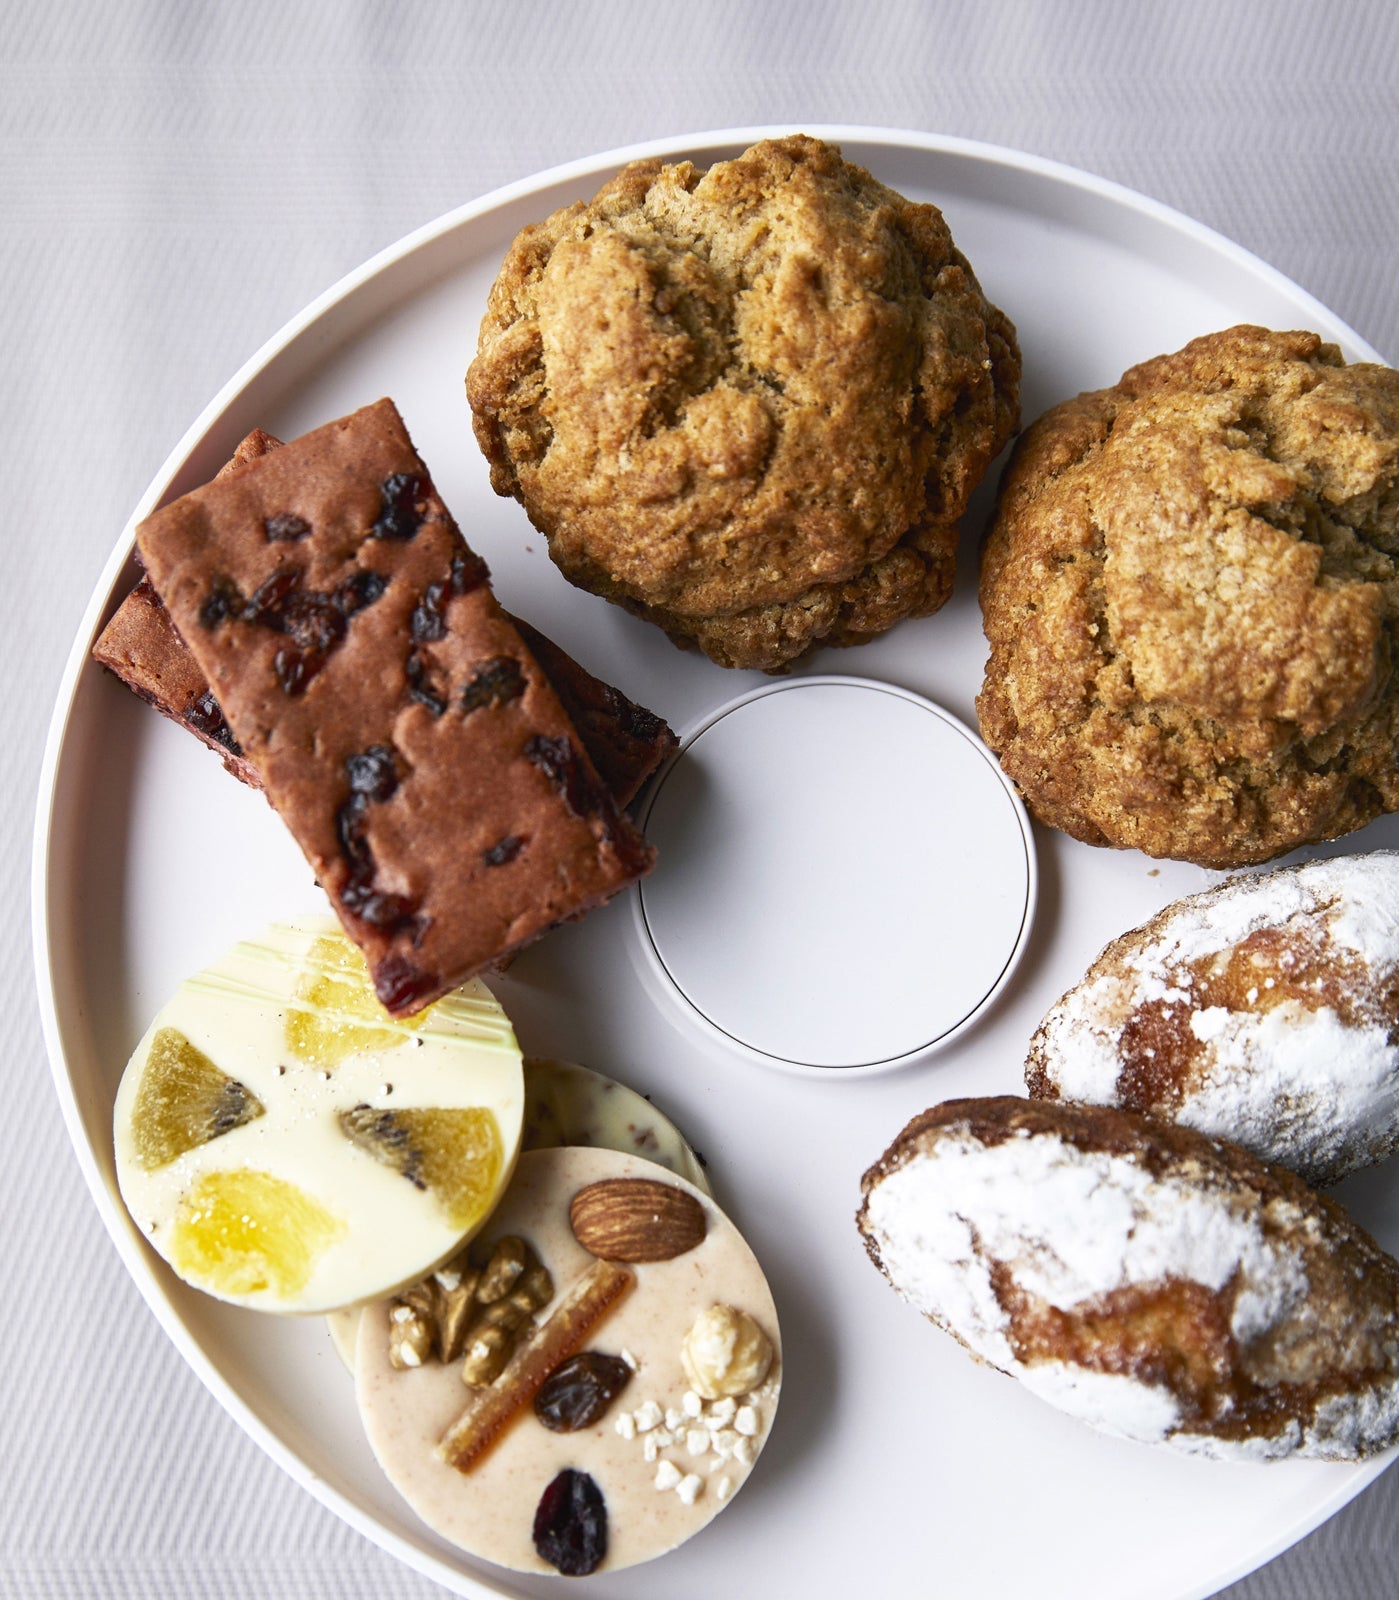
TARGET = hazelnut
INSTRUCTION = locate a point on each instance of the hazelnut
(725, 1353)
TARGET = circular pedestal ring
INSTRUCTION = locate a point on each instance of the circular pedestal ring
(845, 877)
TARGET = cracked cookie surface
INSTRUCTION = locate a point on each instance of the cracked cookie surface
(748, 403)
(1191, 592)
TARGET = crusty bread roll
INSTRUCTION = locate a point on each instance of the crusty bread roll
(1265, 1010)
(1159, 1285)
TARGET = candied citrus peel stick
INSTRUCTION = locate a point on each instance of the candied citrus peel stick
(563, 1334)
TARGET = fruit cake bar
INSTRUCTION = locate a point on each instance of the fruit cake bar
(141, 646)
(400, 725)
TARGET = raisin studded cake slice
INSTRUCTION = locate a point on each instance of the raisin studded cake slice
(141, 646)
(398, 722)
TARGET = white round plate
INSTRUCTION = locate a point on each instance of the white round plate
(895, 1463)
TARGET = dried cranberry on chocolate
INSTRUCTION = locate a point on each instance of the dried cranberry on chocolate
(285, 528)
(399, 518)
(495, 683)
(570, 1525)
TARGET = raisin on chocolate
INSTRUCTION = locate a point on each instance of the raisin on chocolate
(495, 683)
(399, 517)
(284, 528)
(578, 1392)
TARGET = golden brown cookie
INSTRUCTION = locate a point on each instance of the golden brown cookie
(1190, 593)
(748, 403)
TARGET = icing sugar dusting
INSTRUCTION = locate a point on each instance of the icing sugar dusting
(1297, 1084)
(1070, 1226)
(1357, 895)
(1108, 1401)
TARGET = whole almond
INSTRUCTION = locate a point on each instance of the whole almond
(636, 1219)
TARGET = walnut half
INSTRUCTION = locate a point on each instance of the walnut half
(432, 1317)
(471, 1312)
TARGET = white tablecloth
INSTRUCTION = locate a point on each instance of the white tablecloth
(177, 179)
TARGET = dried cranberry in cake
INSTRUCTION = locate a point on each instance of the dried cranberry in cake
(428, 622)
(204, 716)
(625, 741)
(422, 685)
(373, 773)
(494, 683)
(468, 571)
(222, 602)
(504, 852)
(372, 776)
(140, 645)
(401, 514)
(306, 645)
(283, 526)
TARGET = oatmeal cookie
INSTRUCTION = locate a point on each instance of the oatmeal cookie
(1190, 593)
(748, 403)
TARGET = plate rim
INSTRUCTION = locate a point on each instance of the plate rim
(702, 143)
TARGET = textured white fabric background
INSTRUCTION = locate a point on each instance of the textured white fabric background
(176, 180)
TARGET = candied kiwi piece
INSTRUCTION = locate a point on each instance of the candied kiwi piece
(184, 1100)
(341, 1008)
(455, 1153)
(240, 1231)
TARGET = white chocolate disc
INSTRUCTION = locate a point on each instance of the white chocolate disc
(285, 1211)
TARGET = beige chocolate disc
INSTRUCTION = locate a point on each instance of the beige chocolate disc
(663, 1457)
(566, 1104)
